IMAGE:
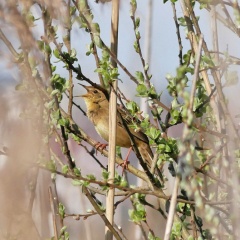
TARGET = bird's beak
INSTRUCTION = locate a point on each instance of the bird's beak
(84, 95)
(83, 86)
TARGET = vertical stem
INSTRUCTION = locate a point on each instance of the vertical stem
(172, 209)
(68, 45)
(148, 37)
(112, 121)
(53, 213)
(194, 228)
(196, 73)
(57, 202)
(143, 101)
(100, 213)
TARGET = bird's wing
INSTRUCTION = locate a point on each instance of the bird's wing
(131, 121)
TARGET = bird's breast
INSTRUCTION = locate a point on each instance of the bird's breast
(100, 120)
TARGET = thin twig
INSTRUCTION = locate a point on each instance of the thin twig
(110, 52)
(194, 229)
(122, 200)
(221, 97)
(100, 213)
(8, 44)
(51, 199)
(154, 162)
(91, 153)
(172, 209)
(57, 201)
(68, 45)
(119, 229)
(33, 189)
(196, 73)
(178, 33)
(207, 161)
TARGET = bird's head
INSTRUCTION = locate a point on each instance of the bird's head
(93, 95)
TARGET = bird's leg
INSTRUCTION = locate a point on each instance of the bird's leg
(100, 146)
(124, 165)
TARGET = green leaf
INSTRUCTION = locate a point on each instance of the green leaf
(137, 22)
(97, 41)
(137, 33)
(142, 90)
(47, 49)
(56, 53)
(114, 74)
(77, 172)
(139, 76)
(76, 138)
(133, 7)
(145, 123)
(146, 67)
(123, 182)
(91, 177)
(105, 174)
(76, 182)
(182, 21)
(137, 215)
(53, 68)
(132, 107)
(95, 28)
(30, 19)
(135, 45)
(175, 103)
(140, 197)
(72, 10)
(55, 115)
(153, 133)
(176, 230)
(40, 45)
(55, 77)
(65, 169)
(73, 53)
(19, 87)
(66, 236)
(50, 104)
(64, 122)
(151, 237)
(176, 116)
(208, 61)
(63, 229)
(54, 92)
(50, 165)
(61, 210)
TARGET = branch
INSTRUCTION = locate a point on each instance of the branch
(178, 33)
(51, 199)
(9, 45)
(101, 214)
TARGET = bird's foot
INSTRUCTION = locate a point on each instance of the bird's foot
(125, 163)
(100, 147)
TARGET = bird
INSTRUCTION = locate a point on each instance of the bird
(98, 113)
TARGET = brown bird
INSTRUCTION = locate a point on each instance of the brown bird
(98, 113)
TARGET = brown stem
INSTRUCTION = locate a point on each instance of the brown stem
(100, 213)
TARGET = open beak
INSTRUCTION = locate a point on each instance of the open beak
(84, 95)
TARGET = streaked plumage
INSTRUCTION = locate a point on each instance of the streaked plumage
(98, 112)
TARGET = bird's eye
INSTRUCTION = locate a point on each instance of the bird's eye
(95, 91)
